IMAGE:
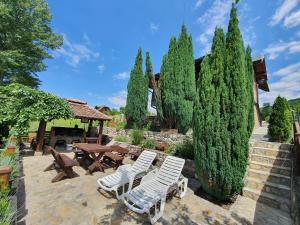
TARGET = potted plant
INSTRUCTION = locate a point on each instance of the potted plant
(5, 172)
(10, 150)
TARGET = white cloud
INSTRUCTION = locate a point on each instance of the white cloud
(122, 76)
(214, 17)
(199, 3)
(154, 28)
(275, 49)
(292, 20)
(118, 99)
(74, 53)
(283, 10)
(287, 86)
(101, 68)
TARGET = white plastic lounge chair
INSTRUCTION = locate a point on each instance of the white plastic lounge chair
(155, 187)
(127, 174)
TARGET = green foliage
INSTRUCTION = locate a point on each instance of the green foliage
(176, 88)
(265, 112)
(280, 123)
(21, 104)
(26, 38)
(223, 114)
(121, 139)
(171, 150)
(137, 95)
(6, 214)
(148, 143)
(249, 91)
(137, 136)
(185, 149)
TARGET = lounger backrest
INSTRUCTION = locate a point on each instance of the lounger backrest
(170, 170)
(144, 161)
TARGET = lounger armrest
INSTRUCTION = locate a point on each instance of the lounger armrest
(125, 167)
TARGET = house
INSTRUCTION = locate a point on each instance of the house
(260, 83)
(103, 109)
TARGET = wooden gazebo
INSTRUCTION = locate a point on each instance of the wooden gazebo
(81, 111)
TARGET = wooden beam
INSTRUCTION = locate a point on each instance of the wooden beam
(100, 132)
(90, 127)
(40, 135)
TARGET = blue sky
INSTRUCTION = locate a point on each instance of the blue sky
(101, 39)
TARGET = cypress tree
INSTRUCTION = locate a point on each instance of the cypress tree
(236, 82)
(250, 76)
(169, 87)
(176, 89)
(185, 80)
(137, 95)
(280, 123)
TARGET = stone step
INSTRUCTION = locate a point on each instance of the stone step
(273, 145)
(271, 200)
(270, 168)
(272, 160)
(268, 187)
(270, 177)
(281, 153)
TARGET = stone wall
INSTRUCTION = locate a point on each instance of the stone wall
(189, 166)
(158, 136)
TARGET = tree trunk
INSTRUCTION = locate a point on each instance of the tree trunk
(40, 135)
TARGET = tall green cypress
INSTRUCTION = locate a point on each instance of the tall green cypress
(236, 82)
(185, 80)
(250, 76)
(137, 94)
(176, 88)
(168, 87)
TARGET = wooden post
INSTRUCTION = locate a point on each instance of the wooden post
(100, 132)
(89, 128)
(40, 135)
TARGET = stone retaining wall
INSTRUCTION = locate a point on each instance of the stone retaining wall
(189, 166)
(158, 136)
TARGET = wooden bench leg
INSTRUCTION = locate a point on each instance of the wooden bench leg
(70, 172)
(61, 175)
(50, 167)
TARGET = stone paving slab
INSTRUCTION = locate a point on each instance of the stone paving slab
(77, 201)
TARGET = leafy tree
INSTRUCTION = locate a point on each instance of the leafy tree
(21, 104)
(280, 123)
(249, 90)
(176, 89)
(25, 38)
(137, 95)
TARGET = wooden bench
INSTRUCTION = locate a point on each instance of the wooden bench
(63, 164)
(116, 155)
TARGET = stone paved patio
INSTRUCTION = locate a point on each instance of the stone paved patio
(77, 201)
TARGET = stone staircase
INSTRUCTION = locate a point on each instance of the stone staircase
(268, 178)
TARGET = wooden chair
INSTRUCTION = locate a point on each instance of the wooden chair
(116, 156)
(63, 164)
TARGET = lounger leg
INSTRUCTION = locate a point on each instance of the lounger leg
(159, 214)
(182, 187)
(50, 167)
(61, 175)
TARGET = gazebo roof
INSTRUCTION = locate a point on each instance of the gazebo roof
(83, 111)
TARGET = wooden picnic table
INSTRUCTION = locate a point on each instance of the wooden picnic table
(94, 152)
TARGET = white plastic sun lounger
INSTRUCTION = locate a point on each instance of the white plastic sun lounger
(155, 187)
(127, 174)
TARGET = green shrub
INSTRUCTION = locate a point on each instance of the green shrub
(137, 136)
(122, 139)
(148, 143)
(280, 122)
(12, 162)
(171, 150)
(120, 126)
(185, 149)
(6, 215)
